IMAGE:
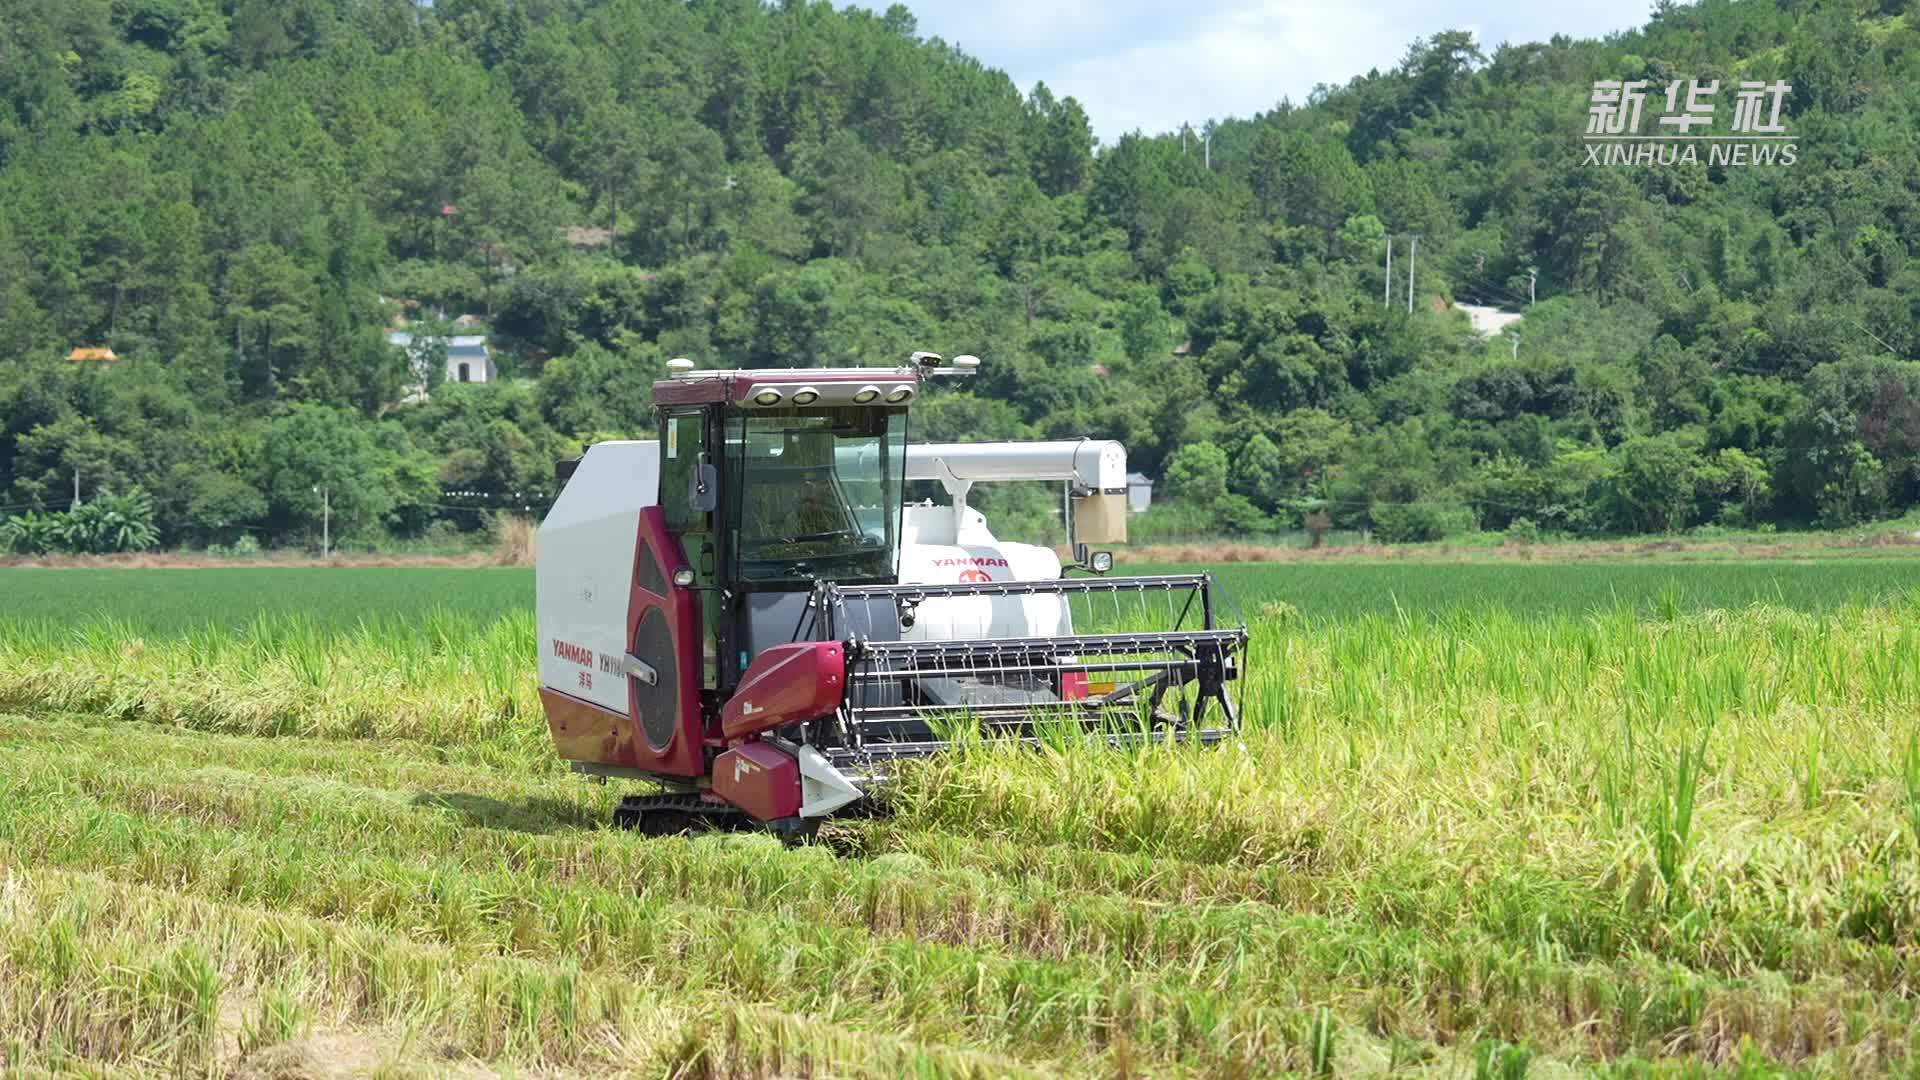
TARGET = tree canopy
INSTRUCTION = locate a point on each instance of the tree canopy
(240, 197)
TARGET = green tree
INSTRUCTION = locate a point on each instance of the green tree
(848, 193)
(1197, 474)
(1143, 327)
(310, 452)
(1658, 482)
(1062, 143)
(1257, 471)
(1309, 182)
(51, 458)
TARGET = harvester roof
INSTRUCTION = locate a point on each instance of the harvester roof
(774, 387)
(768, 387)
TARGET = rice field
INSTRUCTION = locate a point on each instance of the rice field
(175, 600)
(1597, 821)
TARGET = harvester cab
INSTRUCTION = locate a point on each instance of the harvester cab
(744, 612)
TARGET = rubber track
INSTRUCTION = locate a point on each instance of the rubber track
(676, 815)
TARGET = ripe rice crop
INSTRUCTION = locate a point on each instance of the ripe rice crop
(1621, 822)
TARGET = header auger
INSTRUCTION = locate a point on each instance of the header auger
(746, 612)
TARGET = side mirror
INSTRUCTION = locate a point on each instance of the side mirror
(703, 489)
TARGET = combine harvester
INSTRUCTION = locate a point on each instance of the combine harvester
(743, 611)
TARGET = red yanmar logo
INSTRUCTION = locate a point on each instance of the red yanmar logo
(975, 561)
(567, 650)
(968, 577)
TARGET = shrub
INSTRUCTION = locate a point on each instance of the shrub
(30, 534)
(513, 540)
(1237, 516)
(1169, 521)
(1420, 522)
(1276, 613)
(110, 523)
(1318, 523)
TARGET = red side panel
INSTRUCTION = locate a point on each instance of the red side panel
(1073, 686)
(663, 629)
(786, 684)
(761, 779)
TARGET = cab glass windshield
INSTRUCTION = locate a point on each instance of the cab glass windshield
(818, 493)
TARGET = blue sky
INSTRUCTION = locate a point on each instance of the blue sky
(1136, 64)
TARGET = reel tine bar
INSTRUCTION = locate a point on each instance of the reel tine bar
(1115, 680)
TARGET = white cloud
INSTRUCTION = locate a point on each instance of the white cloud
(1236, 64)
(1152, 66)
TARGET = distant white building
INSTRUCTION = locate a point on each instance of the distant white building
(1488, 321)
(468, 360)
(1139, 492)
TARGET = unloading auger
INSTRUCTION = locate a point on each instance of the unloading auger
(744, 612)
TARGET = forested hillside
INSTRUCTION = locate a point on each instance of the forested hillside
(241, 197)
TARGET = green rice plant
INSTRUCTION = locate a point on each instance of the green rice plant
(1910, 784)
(279, 1017)
(1500, 1061)
(1320, 1043)
(1617, 770)
(1810, 771)
(1670, 817)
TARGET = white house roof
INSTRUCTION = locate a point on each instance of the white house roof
(457, 345)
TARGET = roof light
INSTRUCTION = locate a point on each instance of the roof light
(899, 394)
(769, 396)
(806, 395)
(966, 360)
(866, 393)
(678, 366)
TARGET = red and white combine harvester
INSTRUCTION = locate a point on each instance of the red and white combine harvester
(746, 612)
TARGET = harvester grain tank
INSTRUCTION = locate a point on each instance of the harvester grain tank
(743, 612)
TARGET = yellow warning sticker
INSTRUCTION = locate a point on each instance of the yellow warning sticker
(673, 438)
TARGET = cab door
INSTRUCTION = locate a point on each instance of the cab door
(683, 449)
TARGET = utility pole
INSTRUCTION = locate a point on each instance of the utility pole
(1206, 146)
(1516, 346)
(1533, 275)
(326, 519)
(1413, 253)
(1386, 295)
(76, 488)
